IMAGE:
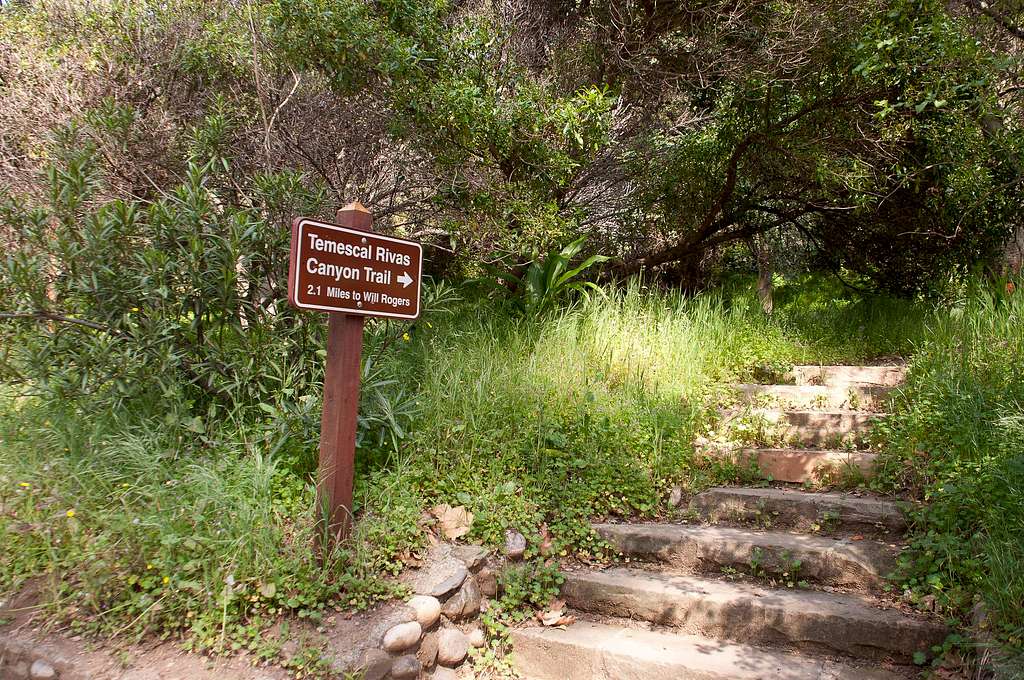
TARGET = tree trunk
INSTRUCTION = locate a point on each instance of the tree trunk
(765, 272)
(1014, 254)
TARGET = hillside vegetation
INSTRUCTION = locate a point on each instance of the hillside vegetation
(625, 206)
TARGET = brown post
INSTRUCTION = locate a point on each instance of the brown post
(341, 403)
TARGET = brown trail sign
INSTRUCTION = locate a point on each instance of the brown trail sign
(338, 268)
(347, 270)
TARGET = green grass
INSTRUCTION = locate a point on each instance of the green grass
(535, 424)
(957, 443)
(592, 411)
(128, 529)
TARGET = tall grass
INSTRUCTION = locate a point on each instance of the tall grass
(957, 443)
(537, 424)
(134, 528)
(593, 410)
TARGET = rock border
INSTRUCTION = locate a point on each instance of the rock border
(441, 625)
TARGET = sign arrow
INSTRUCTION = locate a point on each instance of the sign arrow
(328, 272)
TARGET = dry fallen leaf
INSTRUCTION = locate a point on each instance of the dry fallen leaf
(410, 559)
(858, 537)
(555, 614)
(454, 522)
(550, 618)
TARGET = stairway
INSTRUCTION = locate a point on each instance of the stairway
(771, 582)
(809, 432)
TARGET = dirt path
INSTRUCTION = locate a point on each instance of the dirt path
(23, 641)
(74, 658)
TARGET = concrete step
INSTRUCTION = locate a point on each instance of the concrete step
(844, 375)
(851, 397)
(595, 651)
(803, 465)
(805, 620)
(858, 565)
(803, 428)
(801, 510)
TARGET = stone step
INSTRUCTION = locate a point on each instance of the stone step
(803, 465)
(595, 651)
(804, 428)
(805, 620)
(858, 565)
(800, 509)
(844, 375)
(851, 397)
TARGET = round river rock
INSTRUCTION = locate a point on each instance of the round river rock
(476, 637)
(427, 608)
(42, 671)
(405, 668)
(402, 637)
(515, 544)
(452, 647)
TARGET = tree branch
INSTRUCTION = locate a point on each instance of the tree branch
(716, 218)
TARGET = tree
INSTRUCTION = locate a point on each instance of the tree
(665, 133)
(885, 134)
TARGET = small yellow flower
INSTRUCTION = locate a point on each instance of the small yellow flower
(148, 567)
(135, 309)
(167, 579)
(405, 336)
(25, 485)
(70, 513)
(125, 485)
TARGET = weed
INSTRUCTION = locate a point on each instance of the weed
(954, 441)
(827, 522)
(757, 563)
(145, 534)
(527, 587)
(784, 568)
(763, 518)
(309, 662)
(789, 571)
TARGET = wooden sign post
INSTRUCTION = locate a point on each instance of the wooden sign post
(349, 272)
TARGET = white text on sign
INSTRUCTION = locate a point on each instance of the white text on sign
(336, 268)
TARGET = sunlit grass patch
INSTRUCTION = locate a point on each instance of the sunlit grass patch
(201, 525)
